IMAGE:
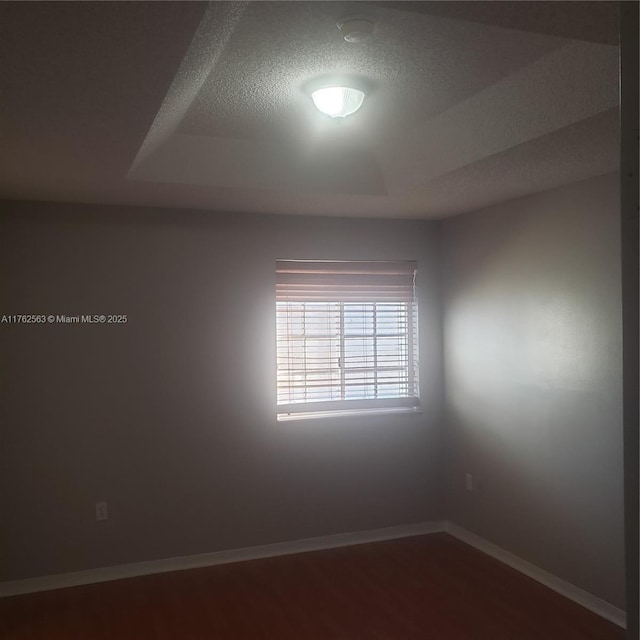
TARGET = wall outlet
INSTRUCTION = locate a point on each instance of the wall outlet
(101, 511)
(468, 482)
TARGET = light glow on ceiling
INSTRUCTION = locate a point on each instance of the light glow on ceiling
(338, 102)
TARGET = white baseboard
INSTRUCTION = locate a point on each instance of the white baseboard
(564, 588)
(105, 574)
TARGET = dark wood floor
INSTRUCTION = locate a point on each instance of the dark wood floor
(428, 587)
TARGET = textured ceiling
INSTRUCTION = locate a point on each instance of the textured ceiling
(206, 105)
(418, 66)
(579, 20)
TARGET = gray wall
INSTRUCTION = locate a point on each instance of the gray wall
(171, 417)
(532, 333)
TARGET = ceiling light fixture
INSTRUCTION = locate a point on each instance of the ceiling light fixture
(338, 102)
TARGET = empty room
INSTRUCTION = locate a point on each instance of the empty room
(311, 322)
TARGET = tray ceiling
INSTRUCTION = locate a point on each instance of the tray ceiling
(206, 105)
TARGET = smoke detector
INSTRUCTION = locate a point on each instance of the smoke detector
(355, 28)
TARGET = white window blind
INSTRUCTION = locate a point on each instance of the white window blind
(346, 336)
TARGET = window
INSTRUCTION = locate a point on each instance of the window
(346, 337)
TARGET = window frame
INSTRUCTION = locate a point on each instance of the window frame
(406, 401)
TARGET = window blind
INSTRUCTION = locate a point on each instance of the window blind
(346, 336)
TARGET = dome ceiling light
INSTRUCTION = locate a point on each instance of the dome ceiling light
(339, 99)
(337, 102)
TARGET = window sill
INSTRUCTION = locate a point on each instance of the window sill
(286, 417)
